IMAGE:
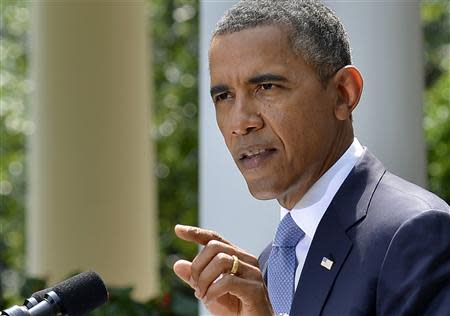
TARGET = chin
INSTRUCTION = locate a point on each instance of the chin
(261, 193)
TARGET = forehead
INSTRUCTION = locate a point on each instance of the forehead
(250, 51)
(249, 39)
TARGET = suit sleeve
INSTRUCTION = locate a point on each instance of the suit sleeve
(415, 275)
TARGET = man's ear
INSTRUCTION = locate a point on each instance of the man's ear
(349, 85)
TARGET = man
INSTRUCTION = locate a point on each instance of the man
(354, 239)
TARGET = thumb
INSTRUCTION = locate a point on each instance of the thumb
(182, 269)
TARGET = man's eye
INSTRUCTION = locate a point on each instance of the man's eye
(221, 97)
(267, 86)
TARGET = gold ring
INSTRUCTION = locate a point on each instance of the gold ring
(235, 267)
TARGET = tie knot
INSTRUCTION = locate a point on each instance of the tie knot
(288, 233)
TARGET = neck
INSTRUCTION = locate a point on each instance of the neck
(339, 146)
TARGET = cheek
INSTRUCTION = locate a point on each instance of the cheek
(298, 129)
(221, 118)
(223, 124)
(288, 122)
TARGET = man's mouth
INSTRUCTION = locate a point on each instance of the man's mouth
(255, 153)
(251, 158)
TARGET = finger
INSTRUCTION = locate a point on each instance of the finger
(211, 250)
(198, 235)
(252, 294)
(182, 269)
(222, 264)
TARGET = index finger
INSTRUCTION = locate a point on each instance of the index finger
(198, 235)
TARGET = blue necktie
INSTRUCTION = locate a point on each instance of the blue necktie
(282, 265)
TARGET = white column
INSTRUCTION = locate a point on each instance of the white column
(92, 194)
(386, 41)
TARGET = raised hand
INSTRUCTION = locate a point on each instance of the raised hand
(223, 293)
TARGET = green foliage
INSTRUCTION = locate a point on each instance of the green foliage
(14, 23)
(174, 28)
(120, 303)
(175, 51)
(436, 28)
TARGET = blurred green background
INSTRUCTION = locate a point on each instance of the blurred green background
(174, 34)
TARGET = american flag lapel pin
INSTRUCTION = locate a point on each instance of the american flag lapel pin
(326, 263)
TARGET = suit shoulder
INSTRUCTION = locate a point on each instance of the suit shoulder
(404, 199)
(415, 266)
(395, 202)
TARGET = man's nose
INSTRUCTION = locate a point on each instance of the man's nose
(247, 116)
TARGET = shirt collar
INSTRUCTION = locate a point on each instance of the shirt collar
(308, 212)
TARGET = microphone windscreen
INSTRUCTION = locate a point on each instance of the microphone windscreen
(82, 293)
(40, 295)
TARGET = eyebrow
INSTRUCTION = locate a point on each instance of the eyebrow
(266, 77)
(253, 80)
(218, 89)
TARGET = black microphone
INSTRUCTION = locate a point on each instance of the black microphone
(76, 296)
(36, 298)
(40, 295)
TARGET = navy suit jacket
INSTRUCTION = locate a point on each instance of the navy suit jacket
(390, 244)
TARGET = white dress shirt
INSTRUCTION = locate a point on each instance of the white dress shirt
(308, 212)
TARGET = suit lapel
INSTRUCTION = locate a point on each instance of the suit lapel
(331, 241)
(316, 281)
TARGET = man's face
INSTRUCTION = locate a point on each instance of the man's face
(276, 117)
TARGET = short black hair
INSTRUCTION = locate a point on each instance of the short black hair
(314, 31)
